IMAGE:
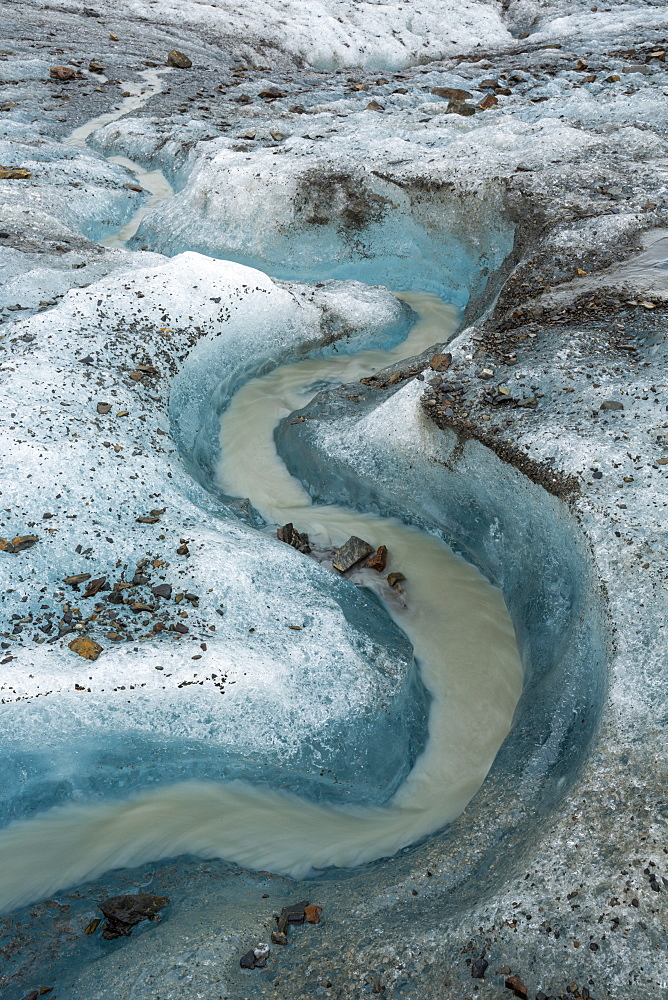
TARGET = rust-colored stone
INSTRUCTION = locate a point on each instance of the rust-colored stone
(62, 72)
(85, 647)
(378, 560)
(441, 362)
(313, 914)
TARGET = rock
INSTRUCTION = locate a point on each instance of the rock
(479, 967)
(394, 578)
(103, 407)
(271, 93)
(18, 544)
(293, 914)
(95, 586)
(441, 362)
(374, 106)
(125, 912)
(460, 108)
(95, 66)
(611, 404)
(581, 64)
(451, 93)
(486, 373)
(178, 59)
(350, 553)
(277, 136)
(86, 647)
(488, 101)
(147, 520)
(93, 926)
(515, 984)
(183, 550)
(378, 560)
(279, 937)
(613, 78)
(313, 914)
(163, 590)
(297, 539)
(181, 629)
(247, 961)
(14, 174)
(62, 72)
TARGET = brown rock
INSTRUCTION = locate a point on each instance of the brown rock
(178, 59)
(85, 647)
(14, 174)
(394, 578)
(271, 93)
(95, 586)
(93, 926)
(374, 106)
(515, 984)
(451, 93)
(441, 362)
(62, 72)
(103, 407)
(488, 102)
(95, 66)
(313, 914)
(350, 553)
(18, 544)
(183, 550)
(378, 560)
(279, 937)
(460, 108)
(297, 539)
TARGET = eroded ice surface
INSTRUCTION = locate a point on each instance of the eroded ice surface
(260, 699)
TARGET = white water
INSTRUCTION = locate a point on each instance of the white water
(464, 643)
(152, 181)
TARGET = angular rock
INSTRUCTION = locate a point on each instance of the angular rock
(86, 647)
(611, 404)
(394, 578)
(441, 362)
(247, 961)
(460, 108)
(18, 544)
(125, 912)
(515, 984)
(350, 553)
(62, 72)
(14, 174)
(451, 93)
(95, 66)
(297, 539)
(163, 590)
(178, 59)
(95, 586)
(313, 914)
(378, 560)
(478, 968)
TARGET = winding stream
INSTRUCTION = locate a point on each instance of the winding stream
(460, 629)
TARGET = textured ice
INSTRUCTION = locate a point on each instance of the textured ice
(339, 717)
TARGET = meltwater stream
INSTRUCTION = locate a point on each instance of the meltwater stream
(459, 626)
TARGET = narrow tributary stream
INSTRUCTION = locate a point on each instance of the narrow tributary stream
(457, 622)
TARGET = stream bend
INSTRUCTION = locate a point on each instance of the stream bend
(458, 624)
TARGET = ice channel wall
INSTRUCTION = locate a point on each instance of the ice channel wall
(526, 541)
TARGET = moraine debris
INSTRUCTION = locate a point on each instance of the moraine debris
(179, 60)
(18, 544)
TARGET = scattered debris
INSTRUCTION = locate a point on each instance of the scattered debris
(256, 958)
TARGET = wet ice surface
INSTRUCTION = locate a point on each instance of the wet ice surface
(594, 147)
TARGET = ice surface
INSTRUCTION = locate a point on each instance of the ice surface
(339, 718)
